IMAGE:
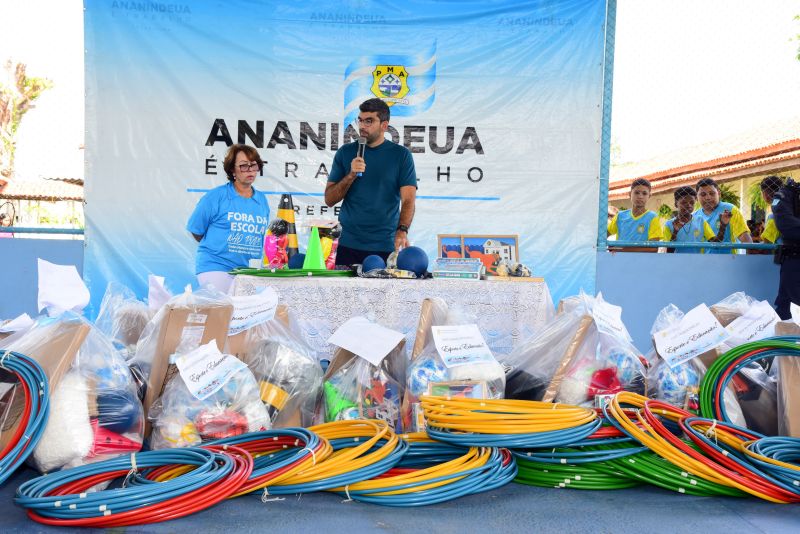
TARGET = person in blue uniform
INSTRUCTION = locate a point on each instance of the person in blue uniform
(377, 207)
(230, 221)
(685, 227)
(786, 209)
(712, 210)
(637, 223)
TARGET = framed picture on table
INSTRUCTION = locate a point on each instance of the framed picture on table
(450, 246)
(491, 249)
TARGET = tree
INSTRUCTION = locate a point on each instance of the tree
(797, 38)
(726, 194)
(754, 196)
(17, 93)
(665, 211)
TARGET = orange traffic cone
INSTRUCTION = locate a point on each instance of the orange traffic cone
(286, 212)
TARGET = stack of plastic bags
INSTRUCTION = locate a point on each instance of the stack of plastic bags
(580, 357)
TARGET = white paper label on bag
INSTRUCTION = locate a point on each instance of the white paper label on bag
(191, 337)
(795, 309)
(461, 345)
(197, 318)
(608, 319)
(366, 339)
(757, 323)
(205, 370)
(697, 332)
(253, 310)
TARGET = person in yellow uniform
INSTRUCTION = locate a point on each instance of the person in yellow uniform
(716, 213)
(637, 223)
(685, 227)
(769, 186)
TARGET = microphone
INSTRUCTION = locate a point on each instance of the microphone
(362, 143)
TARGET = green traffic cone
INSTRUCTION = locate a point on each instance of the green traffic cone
(314, 258)
(335, 403)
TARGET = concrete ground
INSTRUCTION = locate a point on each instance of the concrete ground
(512, 508)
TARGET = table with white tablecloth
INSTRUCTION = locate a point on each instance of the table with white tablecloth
(507, 312)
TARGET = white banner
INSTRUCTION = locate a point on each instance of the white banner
(501, 109)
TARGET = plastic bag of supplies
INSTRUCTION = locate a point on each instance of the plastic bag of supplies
(95, 412)
(122, 318)
(679, 385)
(581, 356)
(354, 388)
(428, 373)
(214, 396)
(286, 368)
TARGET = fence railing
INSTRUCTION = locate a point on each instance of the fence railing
(682, 244)
(23, 230)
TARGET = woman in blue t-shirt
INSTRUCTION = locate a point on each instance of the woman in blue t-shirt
(230, 221)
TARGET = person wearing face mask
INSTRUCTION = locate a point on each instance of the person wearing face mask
(230, 221)
(723, 217)
(377, 191)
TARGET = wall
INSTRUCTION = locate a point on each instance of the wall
(18, 281)
(644, 283)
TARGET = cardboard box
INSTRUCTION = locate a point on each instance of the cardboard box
(432, 312)
(60, 342)
(789, 385)
(239, 344)
(185, 328)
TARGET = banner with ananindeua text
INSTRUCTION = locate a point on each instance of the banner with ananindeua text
(499, 102)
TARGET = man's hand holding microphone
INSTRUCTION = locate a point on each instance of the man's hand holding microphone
(358, 165)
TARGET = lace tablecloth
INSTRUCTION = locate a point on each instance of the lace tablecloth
(507, 312)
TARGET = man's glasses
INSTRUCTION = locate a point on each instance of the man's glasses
(367, 122)
(244, 167)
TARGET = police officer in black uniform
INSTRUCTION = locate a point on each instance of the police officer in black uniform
(786, 210)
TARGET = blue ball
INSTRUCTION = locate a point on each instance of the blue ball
(672, 385)
(425, 369)
(372, 262)
(118, 411)
(413, 259)
(296, 261)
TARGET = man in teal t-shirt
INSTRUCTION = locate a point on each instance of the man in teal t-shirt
(378, 191)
